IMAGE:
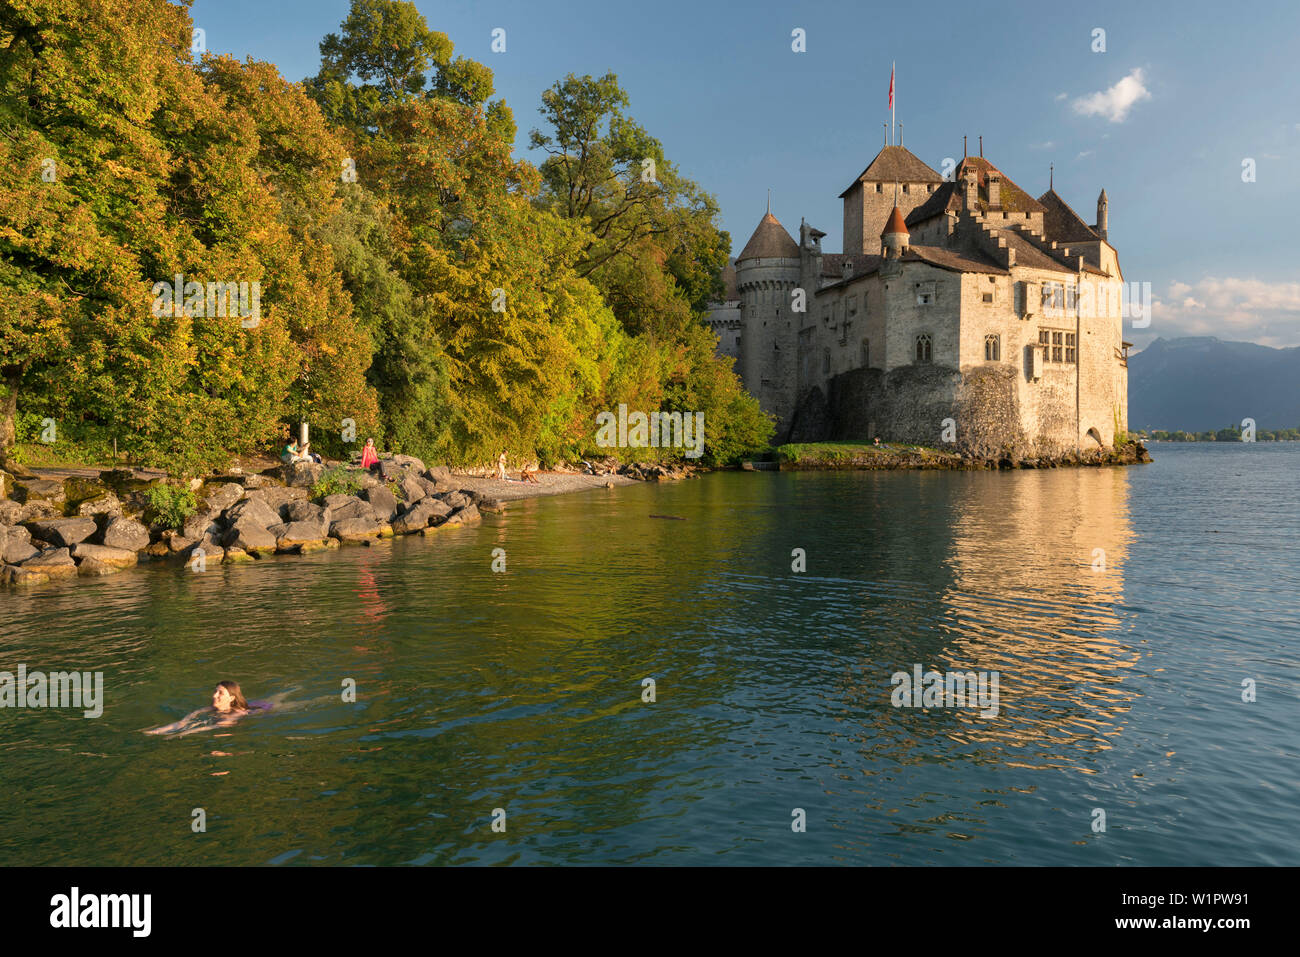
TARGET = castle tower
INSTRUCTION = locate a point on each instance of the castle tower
(894, 238)
(872, 195)
(767, 273)
(1103, 215)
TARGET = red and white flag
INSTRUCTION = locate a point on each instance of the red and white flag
(891, 86)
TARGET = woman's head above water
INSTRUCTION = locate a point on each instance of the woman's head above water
(228, 697)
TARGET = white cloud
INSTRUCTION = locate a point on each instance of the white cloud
(1050, 144)
(1247, 310)
(1114, 104)
(1064, 96)
(1085, 154)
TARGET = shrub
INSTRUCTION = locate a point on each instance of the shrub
(168, 506)
(338, 480)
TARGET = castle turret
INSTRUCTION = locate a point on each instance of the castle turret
(1103, 214)
(767, 274)
(894, 238)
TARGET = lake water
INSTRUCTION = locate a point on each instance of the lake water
(1120, 686)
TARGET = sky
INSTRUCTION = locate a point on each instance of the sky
(1184, 102)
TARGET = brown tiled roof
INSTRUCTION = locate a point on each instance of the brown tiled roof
(1027, 254)
(945, 199)
(1013, 198)
(833, 264)
(1061, 223)
(952, 260)
(895, 164)
(895, 223)
(770, 241)
(729, 282)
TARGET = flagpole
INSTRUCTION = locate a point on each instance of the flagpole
(892, 105)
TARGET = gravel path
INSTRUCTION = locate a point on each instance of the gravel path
(549, 483)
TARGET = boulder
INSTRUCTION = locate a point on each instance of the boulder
(250, 538)
(304, 533)
(416, 517)
(16, 545)
(217, 497)
(11, 513)
(412, 490)
(408, 462)
(261, 481)
(40, 490)
(63, 531)
(353, 530)
(125, 533)
(253, 511)
(6, 484)
(306, 512)
(157, 550)
(439, 473)
(342, 507)
(301, 474)
(491, 505)
(456, 499)
(390, 471)
(306, 548)
(13, 575)
(116, 558)
(200, 524)
(178, 544)
(55, 562)
(383, 501)
(235, 556)
(34, 511)
(105, 504)
(276, 496)
(467, 515)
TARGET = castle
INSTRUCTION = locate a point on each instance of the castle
(962, 310)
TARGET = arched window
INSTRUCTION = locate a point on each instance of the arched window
(866, 354)
(992, 348)
(923, 348)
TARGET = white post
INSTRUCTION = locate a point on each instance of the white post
(302, 433)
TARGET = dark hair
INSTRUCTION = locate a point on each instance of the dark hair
(238, 701)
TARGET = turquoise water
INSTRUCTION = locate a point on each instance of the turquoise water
(1120, 686)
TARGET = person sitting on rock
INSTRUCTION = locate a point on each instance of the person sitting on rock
(529, 475)
(291, 453)
(369, 457)
(307, 455)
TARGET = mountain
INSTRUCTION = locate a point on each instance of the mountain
(1199, 383)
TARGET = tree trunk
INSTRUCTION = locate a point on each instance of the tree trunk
(8, 415)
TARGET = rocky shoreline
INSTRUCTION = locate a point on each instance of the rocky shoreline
(893, 456)
(82, 526)
(90, 527)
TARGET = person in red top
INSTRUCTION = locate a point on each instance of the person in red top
(369, 457)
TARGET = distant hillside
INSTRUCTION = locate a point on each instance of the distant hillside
(1201, 382)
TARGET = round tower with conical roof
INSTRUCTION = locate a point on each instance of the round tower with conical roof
(767, 275)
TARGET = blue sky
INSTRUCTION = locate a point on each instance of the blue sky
(1182, 95)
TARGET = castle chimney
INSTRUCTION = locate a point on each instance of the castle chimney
(995, 191)
(1103, 214)
(894, 238)
(970, 195)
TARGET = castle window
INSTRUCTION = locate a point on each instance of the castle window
(992, 348)
(878, 187)
(844, 332)
(826, 361)
(904, 187)
(924, 293)
(1069, 297)
(826, 313)
(1057, 338)
(866, 354)
(1069, 347)
(988, 297)
(853, 305)
(923, 348)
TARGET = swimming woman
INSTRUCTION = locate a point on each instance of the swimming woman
(228, 703)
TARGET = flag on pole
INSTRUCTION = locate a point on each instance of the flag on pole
(891, 86)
